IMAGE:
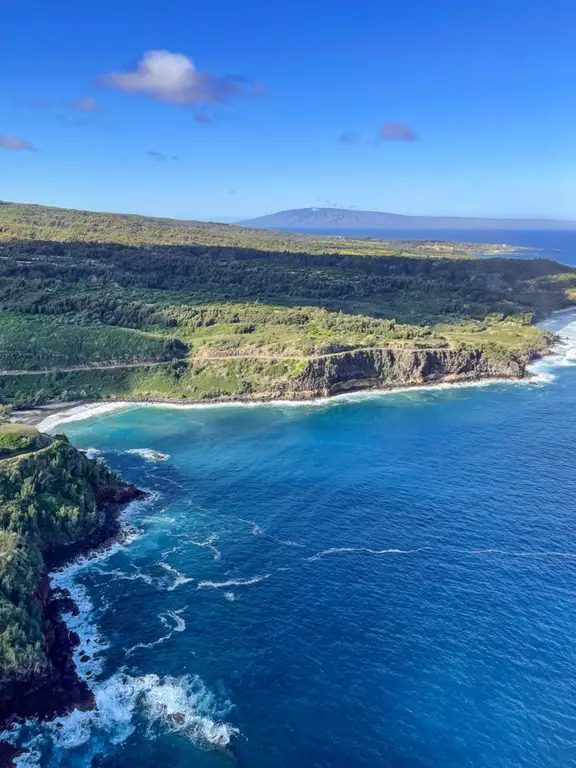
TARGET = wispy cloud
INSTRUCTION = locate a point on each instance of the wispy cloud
(397, 132)
(160, 157)
(88, 104)
(77, 122)
(174, 78)
(15, 143)
(39, 104)
(389, 132)
(204, 119)
(349, 137)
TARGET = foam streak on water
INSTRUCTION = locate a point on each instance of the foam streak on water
(163, 704)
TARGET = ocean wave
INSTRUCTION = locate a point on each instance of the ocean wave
(336, 550)
(181, 705)
(148, 454)
(444, 551)
(232, 582)
(79, 412)
(563, 355)
(179, 578)
(185, 706)
(256, 529)
(117, 574)
(91, 453)
(179, 625)
(96, 409)
(208, 544)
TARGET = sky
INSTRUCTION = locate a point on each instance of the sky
(225, 110)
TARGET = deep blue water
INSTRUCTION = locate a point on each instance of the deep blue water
(559, 245)
(378, 581)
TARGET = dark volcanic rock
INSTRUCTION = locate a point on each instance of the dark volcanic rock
(395, 367)
(56, 689)
(53, 691)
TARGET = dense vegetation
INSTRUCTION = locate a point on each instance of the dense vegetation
(18, 438)
(36, 222)
(87, 289)
(47, 499)
(31, 343)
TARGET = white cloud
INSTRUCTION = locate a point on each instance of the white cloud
(173, 77)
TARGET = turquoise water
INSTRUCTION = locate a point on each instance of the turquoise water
(377, 581)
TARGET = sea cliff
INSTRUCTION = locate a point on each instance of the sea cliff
(386, 368)
(55, 503)
(239, 378)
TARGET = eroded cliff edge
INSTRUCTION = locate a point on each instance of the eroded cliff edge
(388, 368)
(55, 503)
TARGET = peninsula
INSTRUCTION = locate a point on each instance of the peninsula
(106, 306)
(55, 503)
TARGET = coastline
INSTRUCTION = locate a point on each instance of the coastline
(61, 687)
(49, 417)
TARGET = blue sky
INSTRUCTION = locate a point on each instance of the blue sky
(427, 107)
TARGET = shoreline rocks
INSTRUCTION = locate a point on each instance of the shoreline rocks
(58, 689)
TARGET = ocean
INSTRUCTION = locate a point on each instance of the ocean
(558, 245)
(372, 580)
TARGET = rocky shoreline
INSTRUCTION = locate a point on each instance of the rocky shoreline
(345, 373)
(60, 689)
(370, 368)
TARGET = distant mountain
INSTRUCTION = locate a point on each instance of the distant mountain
(318, 219)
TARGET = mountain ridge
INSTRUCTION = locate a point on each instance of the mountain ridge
(318, 219)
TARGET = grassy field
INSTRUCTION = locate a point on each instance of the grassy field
(18, 438)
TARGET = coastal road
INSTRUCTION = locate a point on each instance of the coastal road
(195, 359)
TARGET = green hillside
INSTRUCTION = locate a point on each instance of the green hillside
(88, 297)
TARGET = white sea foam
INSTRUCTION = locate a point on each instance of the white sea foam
(230, 596)
(179, 578)
(232, 582)
(172, 621)
(95, 409)
(92, 453)
(256, 529)
(79, 412)
(336, 550)
(148, 454)
(508, 553)
(208, 544)
(137, 575)
(442, 551)
(179, 705)
(182, 705)
(563, 355)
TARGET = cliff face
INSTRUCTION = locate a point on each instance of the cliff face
(54, 503)
(385, 368)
